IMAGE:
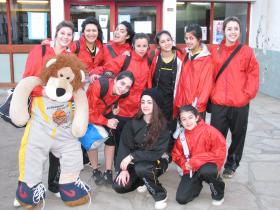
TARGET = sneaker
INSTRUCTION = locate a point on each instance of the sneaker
(30, 197)
(108, 177)
(161, 204)
(218, 202)
(57, 195)
(97, 176)
(74, 193)
(142, 189)
(16, 203)
(228, 173)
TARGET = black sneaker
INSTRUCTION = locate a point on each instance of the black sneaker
(228, 173)
(97, 176)
(108, 177)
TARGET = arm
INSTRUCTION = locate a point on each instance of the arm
(114, 65)
(80, 121)
(252, 82)
(178, 154)
(18, 108)
(95, 113)
(217, 152)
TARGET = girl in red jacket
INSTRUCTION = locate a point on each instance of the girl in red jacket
(90, 46)
(196, 80)
(200, 152)
(233, 90)
(100, 113)
(120, 45)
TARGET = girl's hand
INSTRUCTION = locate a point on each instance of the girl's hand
(123, 178)
(125, 162)
(116, 110)
(94, 77)
(112, 123)
(188, 166)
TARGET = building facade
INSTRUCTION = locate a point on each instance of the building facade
(24, 23)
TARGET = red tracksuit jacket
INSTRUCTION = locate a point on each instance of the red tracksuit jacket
(239, 82)
(206, 145)
(85, 56)
(107, 57)
(97, 106)
(196, 81)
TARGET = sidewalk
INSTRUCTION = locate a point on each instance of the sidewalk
(255, 186)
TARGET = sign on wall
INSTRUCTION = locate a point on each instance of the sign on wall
(37, 25)
(218, 31)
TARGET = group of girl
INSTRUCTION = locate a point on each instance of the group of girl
(180, 83)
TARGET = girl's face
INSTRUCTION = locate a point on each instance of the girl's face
(120, 34)
(232, 32)
(188, 120)
(141, 46)
(91, 33)
(147, 105)
(122, 86)
(165, 43)
(191, 41)
(64, 36)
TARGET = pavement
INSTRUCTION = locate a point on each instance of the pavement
(255, 186)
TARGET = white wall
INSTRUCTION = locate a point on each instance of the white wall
(265, 30)
(57, 14)
(169, 17)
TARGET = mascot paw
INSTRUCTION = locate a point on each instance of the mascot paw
(74, 193)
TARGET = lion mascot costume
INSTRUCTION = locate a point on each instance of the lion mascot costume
(52, 126)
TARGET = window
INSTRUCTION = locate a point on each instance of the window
(101, 13)
(192, 12)
(30, 21)
(223, 10)
(142, 18)
(3, 23)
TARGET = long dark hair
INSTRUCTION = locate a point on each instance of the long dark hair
(157, 123)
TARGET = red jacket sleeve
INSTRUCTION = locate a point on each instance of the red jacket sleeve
(252, 83)
(216, 154)
(178, 155)
(33, 67)
(114, 65)
(93, 94)
(205, 85)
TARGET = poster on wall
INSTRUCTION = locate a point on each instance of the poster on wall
(37, 25)
(143, 27)
(204, 33)
(80, 22)
(218, 31)
(103, 21)
(122, 18)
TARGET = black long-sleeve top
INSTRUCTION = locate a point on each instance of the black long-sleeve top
(132, 142)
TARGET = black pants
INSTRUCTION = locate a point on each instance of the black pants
(54, 173)
(236, 119)
(117, 134)
(189, 188)
(145, 172)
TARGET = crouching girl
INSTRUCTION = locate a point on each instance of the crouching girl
(200, 153)
(140, 156)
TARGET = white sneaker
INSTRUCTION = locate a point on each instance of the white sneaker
(56, 194)
(161, 204)
(218, 202)
(142, 189)
(16, 203)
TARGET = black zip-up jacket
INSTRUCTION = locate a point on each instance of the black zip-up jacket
(132, 142)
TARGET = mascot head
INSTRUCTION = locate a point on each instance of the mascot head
(62, 76)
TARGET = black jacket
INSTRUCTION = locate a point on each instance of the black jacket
(132, 142)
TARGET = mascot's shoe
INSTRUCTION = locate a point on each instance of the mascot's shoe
(30, 197)
(75, 193)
